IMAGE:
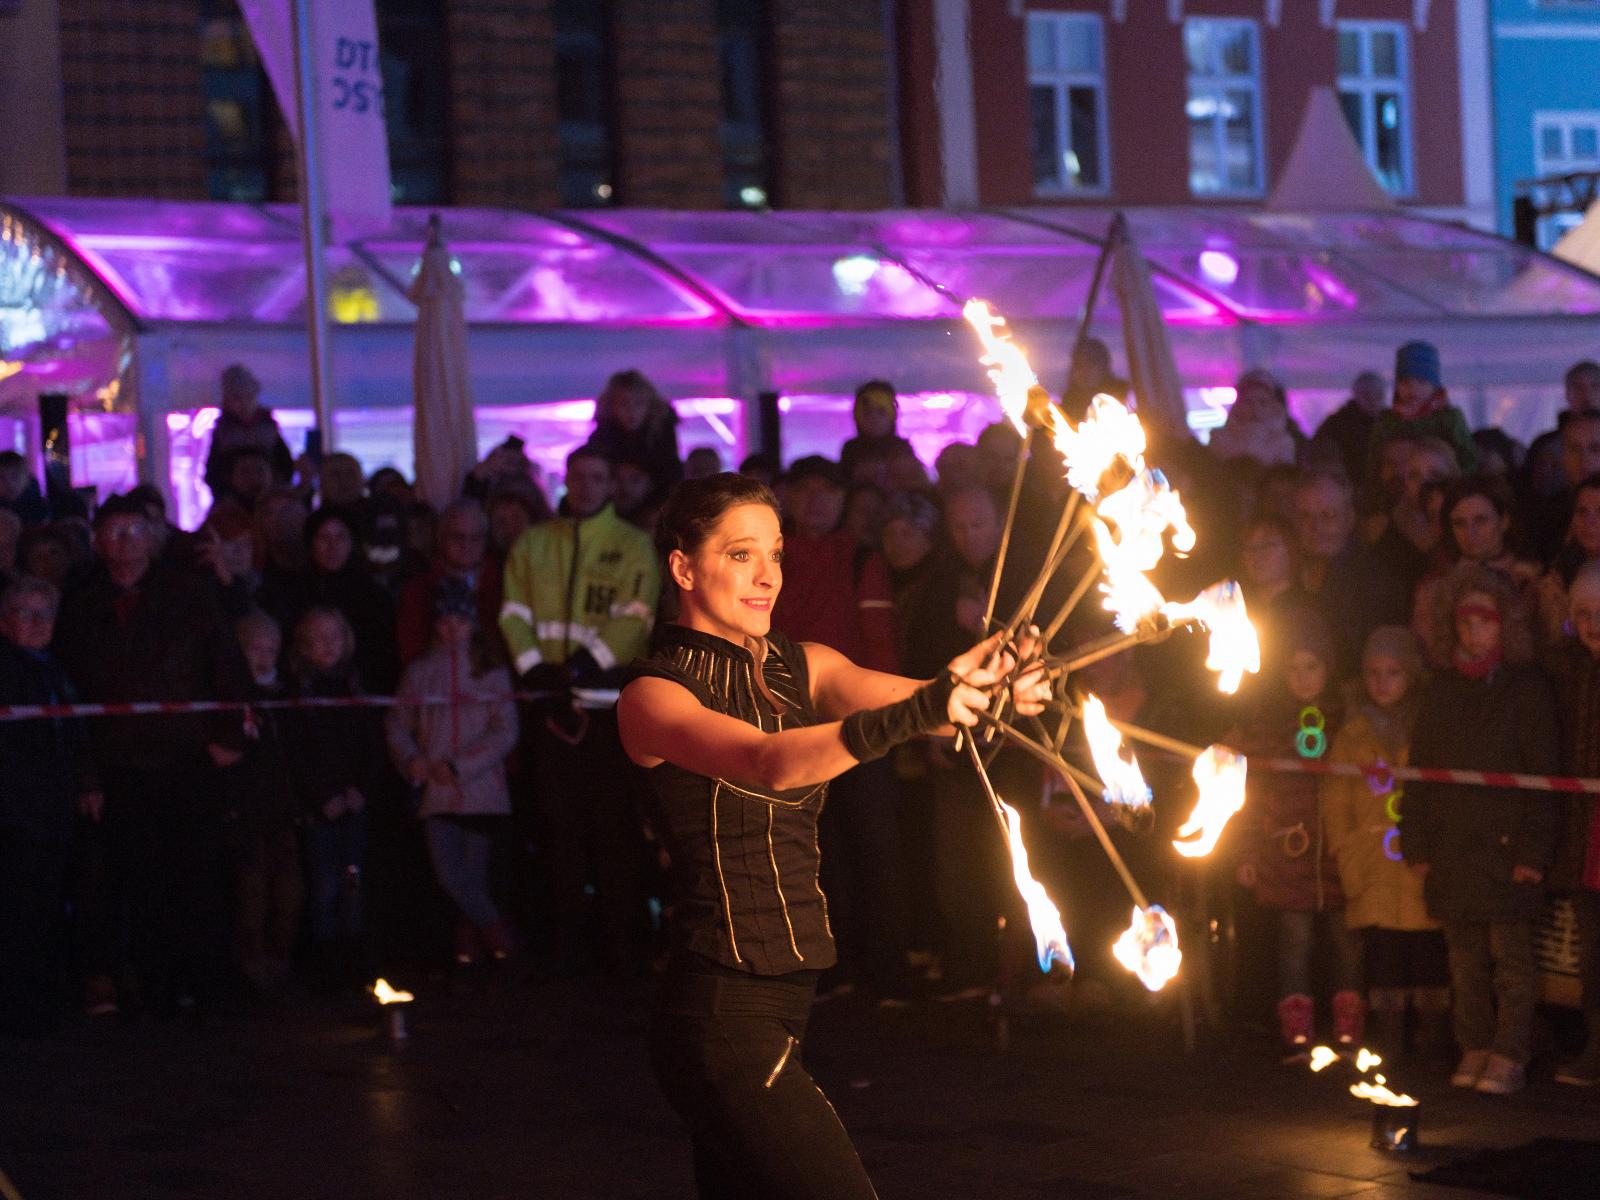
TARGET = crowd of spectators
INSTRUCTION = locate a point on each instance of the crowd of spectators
(1424, 594)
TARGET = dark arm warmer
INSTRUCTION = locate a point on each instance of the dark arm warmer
(873, 732)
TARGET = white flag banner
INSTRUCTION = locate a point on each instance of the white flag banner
(347, 84)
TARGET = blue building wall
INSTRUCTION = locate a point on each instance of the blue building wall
(1546, 58)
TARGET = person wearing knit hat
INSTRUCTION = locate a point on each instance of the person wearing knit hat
(1422, 408)
(1259, 426)
(1403, 954)
(1283, 856)
(1485, 849)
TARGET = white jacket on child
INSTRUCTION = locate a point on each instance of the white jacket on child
(473, 735)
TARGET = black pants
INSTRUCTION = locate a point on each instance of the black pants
(726, 1051)
(33, 872)
(592, 847)
(168, 862)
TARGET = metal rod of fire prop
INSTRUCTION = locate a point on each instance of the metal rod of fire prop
(1055, 762)
(1060, 545)
(988, 788)
(1071, 601)
(1113, 643)
(1159, 740)
(1005, 532)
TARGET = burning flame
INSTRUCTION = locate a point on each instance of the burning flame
(388, 995)
(1149, 947)
(1108, 432)
(1048, 933)
(1234, 648)
(1219, 773)
(1124, 782)
(1008, 365)
(1143, 511)
(1378, 1092)
(1130, 596)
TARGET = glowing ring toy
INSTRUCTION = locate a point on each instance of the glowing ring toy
(1389, 852)
(1312, 740)
(1391, 804)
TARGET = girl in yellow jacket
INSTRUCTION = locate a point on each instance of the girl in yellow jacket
(1402, 949)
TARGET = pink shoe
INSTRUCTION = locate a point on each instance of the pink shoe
(1349, 1017)
(1295, 1021)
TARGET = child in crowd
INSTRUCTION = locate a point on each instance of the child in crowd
(455, 755)
(336, 753)
(1284, 857)
(1484, 850)
(1575, 665)
(1403, 953)
(260, 809)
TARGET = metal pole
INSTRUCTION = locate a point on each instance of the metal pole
(312, 208)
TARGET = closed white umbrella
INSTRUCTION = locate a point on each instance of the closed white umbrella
(1151, 369)
(444, 430)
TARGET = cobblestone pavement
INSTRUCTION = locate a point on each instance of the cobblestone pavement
(543, 1091)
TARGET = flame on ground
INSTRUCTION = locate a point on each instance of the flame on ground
(1049, 936)
(1219, 773)
(1149, 947)
(385, 994)
(1234, 647)
(1366, 1060)
(1378, 1092)
(1323, 1056)
(1008, 365)
(1124, 782)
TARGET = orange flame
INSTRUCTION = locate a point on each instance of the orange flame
(1008, 365)
(388, 995)
(1107, 433)
(1219, 773)
(1149, 947)
(1234, 647)
(1124, 782)
(1129, 596)
(1049, 935)
(1378, 1092)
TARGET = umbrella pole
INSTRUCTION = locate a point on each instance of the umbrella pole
(309, 160)
(1113, 236)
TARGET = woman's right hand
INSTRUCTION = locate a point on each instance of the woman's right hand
(981, 667)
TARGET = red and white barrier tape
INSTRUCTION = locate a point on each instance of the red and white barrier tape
(1499, 779)
(584, 697)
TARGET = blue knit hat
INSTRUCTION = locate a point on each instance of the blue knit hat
(1419, 360)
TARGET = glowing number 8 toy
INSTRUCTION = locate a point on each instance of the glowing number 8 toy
(1312, 740)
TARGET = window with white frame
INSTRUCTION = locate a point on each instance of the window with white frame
(1067, 100)
(1224, 107)
(1563, 142)
(1375, 93)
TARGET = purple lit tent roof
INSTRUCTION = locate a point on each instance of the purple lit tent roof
(158, 296)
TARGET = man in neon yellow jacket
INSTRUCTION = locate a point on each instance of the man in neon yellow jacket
(580, 597)
(581, 589)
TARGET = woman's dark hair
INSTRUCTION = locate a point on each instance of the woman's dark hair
(696, 505)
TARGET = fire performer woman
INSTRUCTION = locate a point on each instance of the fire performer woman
(740, 731)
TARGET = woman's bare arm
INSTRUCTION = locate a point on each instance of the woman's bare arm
(662, 721)
(839, 687)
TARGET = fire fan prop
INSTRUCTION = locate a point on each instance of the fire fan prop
(1132, 515)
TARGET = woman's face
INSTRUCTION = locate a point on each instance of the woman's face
(1479, 530)
(331, 546)
(1307, 676)
(630, 407)
(452, 630)
(261, 653)
(1477, 633)
(322, 642)
(1586, 521)
(1385, 679)
(905, 544)
(1267, 564)
(1583, 607)
(732, 580)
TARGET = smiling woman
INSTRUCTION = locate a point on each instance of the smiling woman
(740, 731)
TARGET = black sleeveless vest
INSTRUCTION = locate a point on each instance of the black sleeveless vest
(743, 885)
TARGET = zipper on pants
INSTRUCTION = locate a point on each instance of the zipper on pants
(783, 1061)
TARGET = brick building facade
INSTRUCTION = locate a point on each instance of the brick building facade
(497, 99)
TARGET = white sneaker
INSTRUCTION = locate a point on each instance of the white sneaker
(1470, 1069)
(1501, 1076)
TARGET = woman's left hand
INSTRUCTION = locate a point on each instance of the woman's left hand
(1030, 689)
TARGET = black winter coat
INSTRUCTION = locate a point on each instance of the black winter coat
(331, 749)
(43, 763)
(1472, 837)
(167, 639)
